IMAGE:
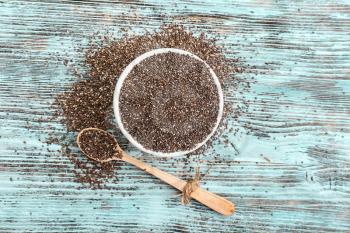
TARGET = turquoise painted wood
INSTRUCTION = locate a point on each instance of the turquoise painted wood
(293, 170)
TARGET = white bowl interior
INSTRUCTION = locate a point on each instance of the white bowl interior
(125, 74)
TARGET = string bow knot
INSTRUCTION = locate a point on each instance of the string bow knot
(190, 187)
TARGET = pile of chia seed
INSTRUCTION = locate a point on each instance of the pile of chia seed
(88, 101)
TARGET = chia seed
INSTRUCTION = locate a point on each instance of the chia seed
(169, 102)
(88, 101)
(98, 145)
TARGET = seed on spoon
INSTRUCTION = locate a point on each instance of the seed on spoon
(98, 145)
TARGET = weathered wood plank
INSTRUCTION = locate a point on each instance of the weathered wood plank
(293, 170)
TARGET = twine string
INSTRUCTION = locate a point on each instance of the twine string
(191, 186)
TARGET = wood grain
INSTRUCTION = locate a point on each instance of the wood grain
(293, 170)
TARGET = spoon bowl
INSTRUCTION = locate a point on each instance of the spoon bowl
(107, 141)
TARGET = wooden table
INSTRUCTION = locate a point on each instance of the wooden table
(293, 170)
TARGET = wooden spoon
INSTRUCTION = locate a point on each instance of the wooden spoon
(211, 200)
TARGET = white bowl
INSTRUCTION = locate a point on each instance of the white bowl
(125, 74)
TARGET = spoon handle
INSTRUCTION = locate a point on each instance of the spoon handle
(211, 200)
